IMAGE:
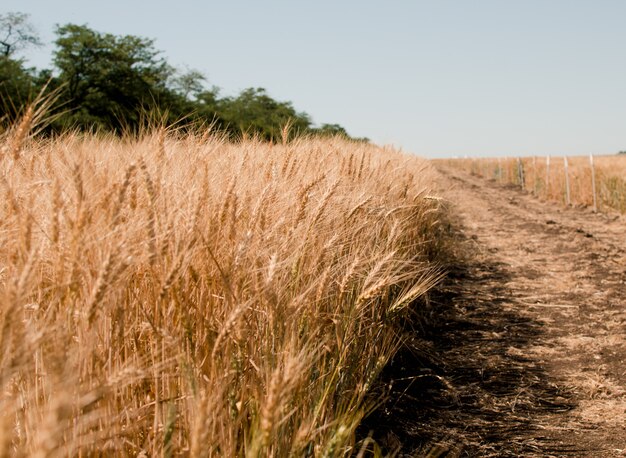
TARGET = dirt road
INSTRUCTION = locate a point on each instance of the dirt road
(529, 356)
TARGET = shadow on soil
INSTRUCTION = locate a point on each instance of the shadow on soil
(462, 385)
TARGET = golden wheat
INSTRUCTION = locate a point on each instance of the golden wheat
(201, 297)
(548, 177)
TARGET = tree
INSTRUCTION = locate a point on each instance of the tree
(189, 83)
(109, 82)
(254, 112)
(110, 79)
(17, 83)
(331, 130)
(17, 86)
(16, 33)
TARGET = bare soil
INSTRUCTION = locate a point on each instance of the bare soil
(525, 354)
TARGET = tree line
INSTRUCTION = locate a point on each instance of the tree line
(118, 83)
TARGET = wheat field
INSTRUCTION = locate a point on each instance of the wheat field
(176, 294)
(548, 178)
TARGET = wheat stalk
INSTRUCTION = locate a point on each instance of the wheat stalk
(276, 279)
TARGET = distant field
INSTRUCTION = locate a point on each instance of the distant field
(175, 294)
(546, 178)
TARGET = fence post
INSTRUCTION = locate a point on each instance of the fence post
(520, 172)
(548, 177)
(567, 194)
(534, 175)
(593, 183)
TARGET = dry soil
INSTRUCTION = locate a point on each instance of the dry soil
(526, 351)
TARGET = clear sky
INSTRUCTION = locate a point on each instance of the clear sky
(436, 78)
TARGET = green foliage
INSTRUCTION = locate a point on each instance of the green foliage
(334, 130)
(190, 83)
(254, 112)
(114, 83)
(108, 79)
(17, 86)
(17, 83)
(331, 130)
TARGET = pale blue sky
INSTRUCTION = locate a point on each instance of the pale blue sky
(437, 78)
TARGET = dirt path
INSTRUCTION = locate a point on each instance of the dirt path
(529, 357)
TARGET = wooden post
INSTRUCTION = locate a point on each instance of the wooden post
(499, 170)
(548, 177)
(535, 175)
(567, 194)
(520, 172)
(593, 183)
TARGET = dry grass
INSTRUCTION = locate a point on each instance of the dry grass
(548, 182)
(179, 295)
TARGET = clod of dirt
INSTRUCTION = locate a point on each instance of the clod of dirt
(585, 233)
